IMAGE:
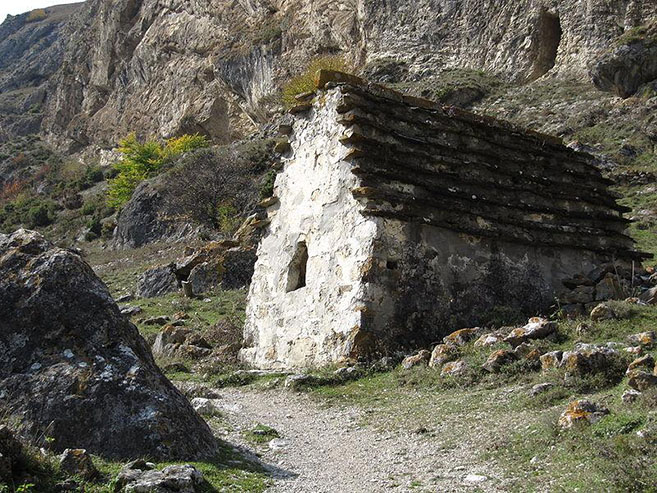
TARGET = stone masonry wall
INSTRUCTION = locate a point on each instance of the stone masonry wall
(418, 220)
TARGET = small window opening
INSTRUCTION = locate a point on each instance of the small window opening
(548, 39)
(392, 264)
(296, 276)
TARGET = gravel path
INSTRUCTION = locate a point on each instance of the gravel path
(327, 449)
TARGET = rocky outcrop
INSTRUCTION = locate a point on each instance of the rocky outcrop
(74, 369)
(144, 219)
(211, 67)
(631, 65)
(31, 50)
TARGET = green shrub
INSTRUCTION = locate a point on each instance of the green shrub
(306, 81)
(144, 160)
(39, 215)
(267, 188)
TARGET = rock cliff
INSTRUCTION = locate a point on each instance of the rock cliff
(165, 67)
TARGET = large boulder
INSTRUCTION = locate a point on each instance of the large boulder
(157, 281)
(74, 369)
(143, 219)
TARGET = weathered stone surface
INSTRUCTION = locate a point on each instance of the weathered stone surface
(139, 477)
(238, 265)
(491, 339)
(454, 368)
(63, 338)
(649, 297)
(462, 337)
(143, 219)
(641, 380)
(441, 354)
(629, 66)
(630, 396)
(582, 412)
(498, 359)
(645, 339)
(586, 358)
(206, 276)
(157, 282)
(130, 310)
(646, 361)
(421, 358)
(539, 388)
(581, 294)
(180, 342)
(77, 462)
(390, 251)
(609, 288)
(207, 407)
(602, 311)
(536, 328)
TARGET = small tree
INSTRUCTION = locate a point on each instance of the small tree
(145, 160)
(212, 187)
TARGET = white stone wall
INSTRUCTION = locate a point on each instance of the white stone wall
(313, 325)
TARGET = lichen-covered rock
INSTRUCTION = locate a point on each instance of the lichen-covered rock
(641, 380)
(644, 339)
(77, 462)
(140, 477)
(646, 361)
(490, 339)
(498, 359)
(536, 328)
(157, 281)
(420, 358)
(180, 342)
(582, 412)
(462, 337)
(454, 368)
(63, 338)
(441, 354)
(602, 311)
(630, 395)
(587, 358)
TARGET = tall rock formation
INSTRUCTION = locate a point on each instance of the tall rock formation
(166, 67)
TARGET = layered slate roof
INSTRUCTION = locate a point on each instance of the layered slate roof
(420, 161)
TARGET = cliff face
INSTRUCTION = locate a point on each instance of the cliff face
(161, 67)
(31, 51)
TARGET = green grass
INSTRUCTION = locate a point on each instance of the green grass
(260, 434)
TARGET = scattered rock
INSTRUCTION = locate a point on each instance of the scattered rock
(475, 478)
(98, 385)
(581, 412)
(348, 373)
(197, 389)
(635, 350)
(539, 388)
(441, 354)
(536, 328)
(490, 339)
(649, 297)
(609, 288)
(454, 368)
(206, 407)
(130, 310)
(160, 320)
(602, 311)
(498, 359)
(579, 295)
(630, 396)
(641, 380)
(644, 339)
(157, 282)
(205, 276)
(180, 342)
(572, 311)
(301, 380)
(125, 298)
(421, 358)
(171, 479)
(646, 361)
(175, 368)
(462, 337)
(77, 462)
(588, 358)
(551, 360)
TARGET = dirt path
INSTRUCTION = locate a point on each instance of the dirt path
(328, 449)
